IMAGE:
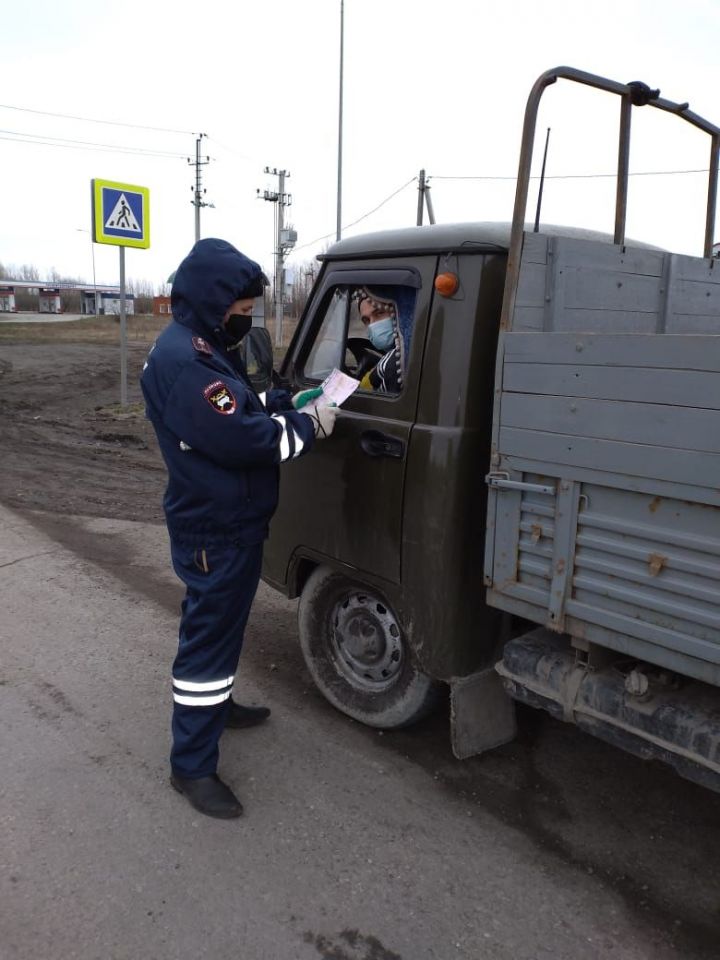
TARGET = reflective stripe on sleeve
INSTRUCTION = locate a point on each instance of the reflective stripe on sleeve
(287, 438)
(298, 443)
(291, 443)
(284, 442)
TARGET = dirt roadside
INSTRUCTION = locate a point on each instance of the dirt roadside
(67, 447)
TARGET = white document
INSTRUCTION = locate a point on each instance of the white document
(336, 388)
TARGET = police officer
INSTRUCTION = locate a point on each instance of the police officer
(222, 444)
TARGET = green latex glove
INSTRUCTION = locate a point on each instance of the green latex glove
(305, 397)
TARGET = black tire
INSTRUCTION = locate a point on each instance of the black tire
(357, 653)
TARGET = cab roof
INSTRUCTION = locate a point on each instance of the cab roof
(468, 237)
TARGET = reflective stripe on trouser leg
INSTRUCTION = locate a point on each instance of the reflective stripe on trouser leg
(214, 613)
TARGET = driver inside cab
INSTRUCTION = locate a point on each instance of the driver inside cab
(379, 314)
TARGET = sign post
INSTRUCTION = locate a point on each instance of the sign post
(123, 333)
(121, 217)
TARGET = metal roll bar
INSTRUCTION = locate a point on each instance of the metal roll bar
(631, 94)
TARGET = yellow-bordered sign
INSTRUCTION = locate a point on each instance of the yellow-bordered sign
(121, 214)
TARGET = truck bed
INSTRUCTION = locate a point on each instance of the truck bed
(604, 507)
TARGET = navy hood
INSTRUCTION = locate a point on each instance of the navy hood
(211, 277)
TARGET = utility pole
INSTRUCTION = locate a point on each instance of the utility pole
(198, 189)
(428, 201)
(284, 241)
(424, 199)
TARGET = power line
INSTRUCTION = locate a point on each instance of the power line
(232, 150)
(580, 176)
(573, 176)
(97, 149)
(16, 136)
(359, 219)
(114, 123)
(382, 204)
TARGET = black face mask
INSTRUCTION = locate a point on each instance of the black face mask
(238, 325)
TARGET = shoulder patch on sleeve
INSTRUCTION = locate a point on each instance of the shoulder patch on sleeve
(201, 345)
(219, 397)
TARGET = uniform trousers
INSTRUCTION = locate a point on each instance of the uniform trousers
(221, 580)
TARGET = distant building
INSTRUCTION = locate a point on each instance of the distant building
(108, 301)
(7, 300)
(49, 300)
(87, 302)
(53, 298)
(161, 306)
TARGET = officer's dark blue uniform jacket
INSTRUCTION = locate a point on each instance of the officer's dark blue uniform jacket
(221, 444)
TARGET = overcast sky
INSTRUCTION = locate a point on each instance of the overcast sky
(439, 85)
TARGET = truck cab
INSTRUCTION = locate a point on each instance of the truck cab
(392, 508)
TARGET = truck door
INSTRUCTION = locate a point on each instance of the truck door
(344, 502)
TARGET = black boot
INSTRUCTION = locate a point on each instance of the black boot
(239, 716)
(209, 795)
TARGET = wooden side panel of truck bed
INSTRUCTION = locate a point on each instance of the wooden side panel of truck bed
(604, 509)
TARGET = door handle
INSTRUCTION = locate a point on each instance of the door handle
(377, 444)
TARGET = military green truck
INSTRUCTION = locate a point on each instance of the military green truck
(531, 512)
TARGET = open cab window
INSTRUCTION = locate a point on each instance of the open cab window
(365, 330)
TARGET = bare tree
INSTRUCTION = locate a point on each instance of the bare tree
(28, 271)
(70, 300)
(304, 275)
(142, 291)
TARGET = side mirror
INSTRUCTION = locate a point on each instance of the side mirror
(257, 354)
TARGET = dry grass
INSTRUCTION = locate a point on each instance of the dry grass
(289, 327)
(140, 329)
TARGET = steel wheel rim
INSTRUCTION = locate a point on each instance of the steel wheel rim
(366, 642)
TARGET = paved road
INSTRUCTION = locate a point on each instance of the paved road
(355, 845)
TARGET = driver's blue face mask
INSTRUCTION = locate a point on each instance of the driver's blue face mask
(381, 334)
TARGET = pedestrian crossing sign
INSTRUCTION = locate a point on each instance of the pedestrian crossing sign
(121, 214)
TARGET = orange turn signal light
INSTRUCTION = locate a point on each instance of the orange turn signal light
(447, 284)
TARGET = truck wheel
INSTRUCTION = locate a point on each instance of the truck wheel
(356, 652)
